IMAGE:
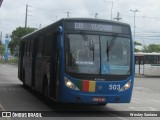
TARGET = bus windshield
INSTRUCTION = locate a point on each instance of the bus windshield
(97, 54)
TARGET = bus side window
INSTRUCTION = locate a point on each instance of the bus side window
(25, 43)
(40, 46)
(158, 59)
(141, 61)
(136, 60)
(145, 60)
(28, 44)
(31, 48)
(47, 44)
(21, 53)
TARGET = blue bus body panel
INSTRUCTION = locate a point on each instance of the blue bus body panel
(61, 64)
(102, 93)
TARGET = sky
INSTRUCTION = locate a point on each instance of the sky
(44, 12)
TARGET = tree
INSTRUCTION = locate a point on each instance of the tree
(151, 48)
(16, 37)
(145, 48)
(2, 49)
(135, 45)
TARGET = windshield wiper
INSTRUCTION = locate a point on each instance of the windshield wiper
(90, 43)
(110, 45)
(85, 37)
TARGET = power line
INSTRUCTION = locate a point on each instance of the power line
(151, 32)
(111, 7)
(91, 8)
(145, 17)
(146, 36)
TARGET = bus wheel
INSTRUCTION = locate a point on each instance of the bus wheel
(45, 87)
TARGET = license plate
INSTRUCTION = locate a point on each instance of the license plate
(99, 99)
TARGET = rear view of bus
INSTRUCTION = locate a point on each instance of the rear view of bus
(98, 62)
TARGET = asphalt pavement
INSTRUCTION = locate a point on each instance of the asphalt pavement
(14, 97)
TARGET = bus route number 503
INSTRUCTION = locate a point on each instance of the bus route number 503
(114, 87)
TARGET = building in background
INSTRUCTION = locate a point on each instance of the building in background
(1, 2)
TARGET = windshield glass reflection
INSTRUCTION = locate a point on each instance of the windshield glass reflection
(116, 60)
(82, 54)
(94, 54)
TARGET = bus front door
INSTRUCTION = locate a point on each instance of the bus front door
(54, 80)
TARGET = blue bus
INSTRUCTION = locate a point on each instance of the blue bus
(79, 60)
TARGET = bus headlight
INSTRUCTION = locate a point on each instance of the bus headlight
(126, 86)
(69, 84)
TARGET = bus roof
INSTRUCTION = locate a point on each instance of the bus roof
(93, 19)
(143, 54)
(75, 19)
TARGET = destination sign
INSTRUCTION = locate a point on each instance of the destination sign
(103, 27)
(92, 26)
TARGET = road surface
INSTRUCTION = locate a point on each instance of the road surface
(14, 97)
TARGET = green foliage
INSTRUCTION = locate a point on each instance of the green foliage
(16, 37)
(147, 48)
(137, 44)
(13, 60)
(2, 49)
(151, 48)
(137, 50)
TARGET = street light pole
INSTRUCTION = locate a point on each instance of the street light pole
(134, 20)
(111, 7)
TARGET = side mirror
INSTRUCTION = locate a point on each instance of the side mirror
(61, 36)
(60, 29)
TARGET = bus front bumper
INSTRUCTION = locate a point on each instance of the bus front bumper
(96, 98)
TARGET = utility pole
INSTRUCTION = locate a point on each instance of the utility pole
(1, 2)
(26, 15)
(134, 20)
(96, 14)
(118, 17)
(68, 14)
